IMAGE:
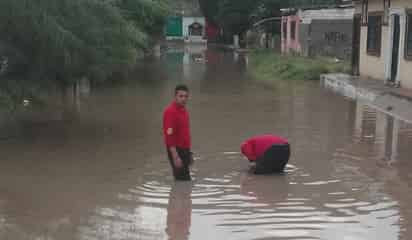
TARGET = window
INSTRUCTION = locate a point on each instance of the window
(374, 35)
(408, 42)
(293, 30)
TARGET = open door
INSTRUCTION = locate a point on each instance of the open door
(395, 48)
(356, 44)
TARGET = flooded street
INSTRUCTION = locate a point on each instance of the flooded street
(97, 170)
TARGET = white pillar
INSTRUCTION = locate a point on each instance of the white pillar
(395, 140)
(236, 41)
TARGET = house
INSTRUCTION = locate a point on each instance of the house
(290, 34)
(324, 31)
(382, 43)
(194, 29)
(186, 23)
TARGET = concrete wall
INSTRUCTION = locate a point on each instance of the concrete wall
(326, 14)
(327, 38)
(372, 66)
(378, 67)
(405, 74)
(326, 32)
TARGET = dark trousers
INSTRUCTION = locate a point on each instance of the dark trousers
(274, 160)
(183, 173)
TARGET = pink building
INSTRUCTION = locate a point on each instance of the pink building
(290, 34)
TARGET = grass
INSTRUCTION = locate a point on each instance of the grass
(269, 66)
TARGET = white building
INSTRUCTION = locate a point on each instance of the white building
(194, 29)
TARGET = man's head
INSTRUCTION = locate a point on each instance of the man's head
(181, 94)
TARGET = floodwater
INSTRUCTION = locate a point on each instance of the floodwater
(91, 164)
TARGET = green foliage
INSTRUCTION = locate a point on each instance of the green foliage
(71, 38)
(210, 9)
(269, 66)
(148, 15)
(236, 16)
(233, 16)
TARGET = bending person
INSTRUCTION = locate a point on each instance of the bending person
(269, 153)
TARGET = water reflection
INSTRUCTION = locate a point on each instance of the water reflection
(27, 104)
(267, 190)
(378, 160)
(73, 96)
(179, 211)
(381, 131)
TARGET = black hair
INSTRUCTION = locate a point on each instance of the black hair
(181, 87)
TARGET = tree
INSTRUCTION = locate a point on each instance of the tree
(71, 38)
(147, 15)
(234, 15)
(210, 10)
(268, 9)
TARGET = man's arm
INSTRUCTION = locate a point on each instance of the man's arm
(169, 126)
(176, 159)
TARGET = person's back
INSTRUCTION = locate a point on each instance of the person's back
(270, 153)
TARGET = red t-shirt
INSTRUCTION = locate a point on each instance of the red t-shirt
(255, 147)
(176, 126)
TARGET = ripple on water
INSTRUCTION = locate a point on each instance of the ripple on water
(270, 207)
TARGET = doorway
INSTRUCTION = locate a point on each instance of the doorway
(356, 44)
(395, 48)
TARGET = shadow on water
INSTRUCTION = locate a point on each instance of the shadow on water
(89, 163)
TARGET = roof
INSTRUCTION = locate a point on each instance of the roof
(318, 5)
(327, 14)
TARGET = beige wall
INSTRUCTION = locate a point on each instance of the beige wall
(374, 67)
(406, 74)
(401, 3)
(375, 6)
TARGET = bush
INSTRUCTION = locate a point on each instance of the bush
(72, 38)
(272, 66)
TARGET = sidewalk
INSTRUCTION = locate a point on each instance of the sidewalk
(396, 102)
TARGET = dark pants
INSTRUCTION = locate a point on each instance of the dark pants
(274, 160)
(183, 173)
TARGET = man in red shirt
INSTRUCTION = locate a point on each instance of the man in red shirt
(270, 153)
(176, 131)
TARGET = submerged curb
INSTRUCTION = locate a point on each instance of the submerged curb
(393, 101)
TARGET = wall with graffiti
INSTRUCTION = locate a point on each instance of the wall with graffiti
(324, 32)
(327, 38)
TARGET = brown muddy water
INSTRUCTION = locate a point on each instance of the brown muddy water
(93, 165)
